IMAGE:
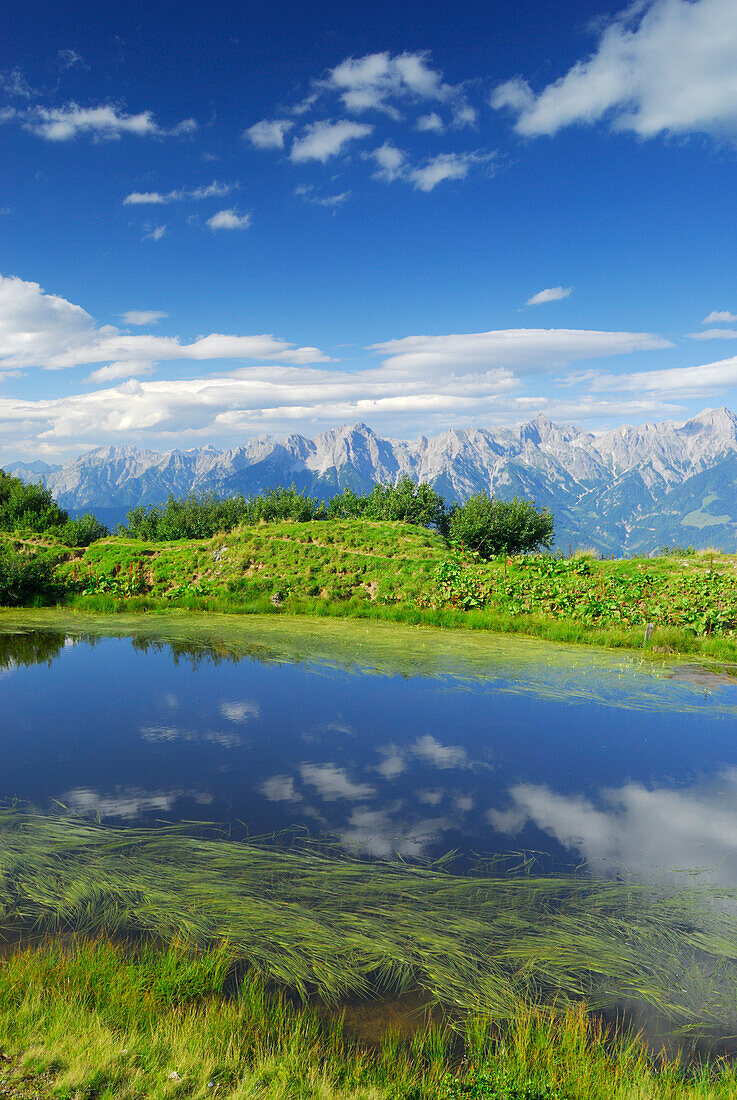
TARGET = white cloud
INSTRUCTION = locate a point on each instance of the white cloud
(39, 329)
(69, 58)
(332, 783)
(180, 194)
(446, 166)
(446, 380)
(464, 115)
(156, 233)
(129, 368)
(105, 122)
(142, 316)
(279, 788)
(393, 763)
(529, 350)
(308, 193)
(552, 294)
(664, 67)
(722, 315)
(686, 381)
(391, 162)
(269, 133)
(431, 123)
(714, 334)
(229, 219)
(322, 140)
(369, 82)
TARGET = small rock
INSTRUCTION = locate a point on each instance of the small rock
(174, 1076)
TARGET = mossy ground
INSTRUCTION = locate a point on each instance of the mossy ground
(375, 570)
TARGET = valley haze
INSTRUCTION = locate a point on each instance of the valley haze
(630, 490)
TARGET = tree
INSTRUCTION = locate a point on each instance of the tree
(28, 508)
(492, 527)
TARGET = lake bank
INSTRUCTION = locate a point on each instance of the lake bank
(401, 573)
(105, 1020)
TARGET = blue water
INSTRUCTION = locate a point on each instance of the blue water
(418, 765)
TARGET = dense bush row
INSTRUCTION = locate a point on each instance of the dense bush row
(482, 524)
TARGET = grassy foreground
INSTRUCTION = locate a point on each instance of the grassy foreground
(97, 1019)
(405, 573)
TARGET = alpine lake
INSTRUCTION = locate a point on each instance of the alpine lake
(458, 756)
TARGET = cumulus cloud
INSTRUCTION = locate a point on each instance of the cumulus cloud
(156, 233)
(552, 294)
(180, 194)
(45, 330)
(269, 133)
(390, 160)
(107, 122)
(280, 788)
(432, 751)
(370, 82)
(669, 66)
(229, 219)
(322, 140)
(431, 123)
(720, 315)
(240, 710)
(430, 378)
(445, 166)
(142, 316)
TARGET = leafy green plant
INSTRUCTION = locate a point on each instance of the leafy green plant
(405, 501)
(24, 578)
(492, 527)
(82, 531)
(27, 508)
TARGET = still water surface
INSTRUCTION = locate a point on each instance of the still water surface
(482, 746)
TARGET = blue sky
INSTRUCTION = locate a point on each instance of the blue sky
(219, 221)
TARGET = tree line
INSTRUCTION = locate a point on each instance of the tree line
(482, 524)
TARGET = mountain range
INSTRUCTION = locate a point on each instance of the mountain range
(629, 490)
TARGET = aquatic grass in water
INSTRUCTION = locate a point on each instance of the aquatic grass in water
(336, 928)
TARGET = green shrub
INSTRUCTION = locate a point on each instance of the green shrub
(200, 517)
(490, 527)
(24, 578)
(27, 508)
(83, 531)
(405, 501)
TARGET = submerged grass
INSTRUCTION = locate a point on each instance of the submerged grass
(108, 1020)
(320, 926)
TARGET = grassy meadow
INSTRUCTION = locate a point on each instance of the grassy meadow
(367, 569)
